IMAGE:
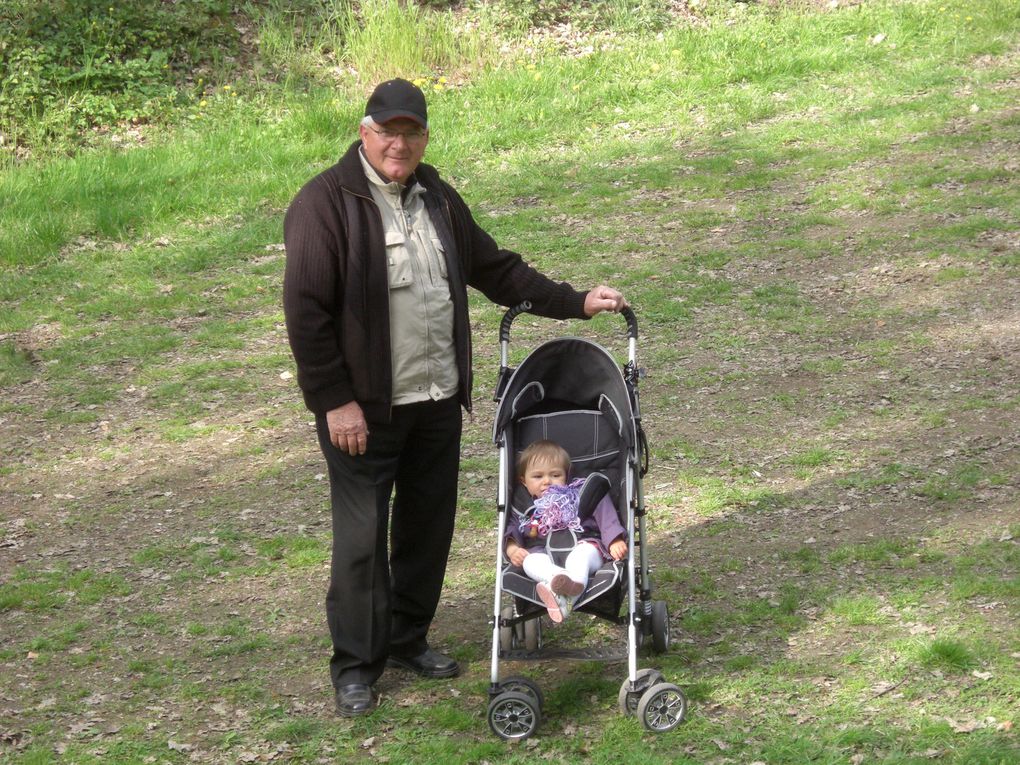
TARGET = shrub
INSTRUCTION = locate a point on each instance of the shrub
(70, 65)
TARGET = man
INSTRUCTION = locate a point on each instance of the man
(380, 252)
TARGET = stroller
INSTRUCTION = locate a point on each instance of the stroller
(572, 391)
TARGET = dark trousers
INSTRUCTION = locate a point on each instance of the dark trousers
(381, 601)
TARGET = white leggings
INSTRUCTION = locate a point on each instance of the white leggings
(583, 561)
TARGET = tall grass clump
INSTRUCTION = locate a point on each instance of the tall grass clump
(626, 16)
(947, 654)
(328, 43)
(294, 45)
(416, 42)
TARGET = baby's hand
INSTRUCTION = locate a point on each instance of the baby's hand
(516, 554)
(618, 549)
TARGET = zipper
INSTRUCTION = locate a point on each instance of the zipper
(368, 198)
(469, 381)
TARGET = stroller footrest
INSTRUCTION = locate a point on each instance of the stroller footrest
(570, 654)
(516, 582)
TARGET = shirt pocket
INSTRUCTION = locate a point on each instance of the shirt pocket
(440, 257)
(398, 261)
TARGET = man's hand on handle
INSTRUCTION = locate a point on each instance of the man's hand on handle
(603, 298)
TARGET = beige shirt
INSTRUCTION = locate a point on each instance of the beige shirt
(421, 311)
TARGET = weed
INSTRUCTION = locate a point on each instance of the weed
(858, 611)
(950, 487)
(296, 730)
(33, 591)
(295, 551)
(16, 365)
(879, 551)
(945, 653)
(816, 456)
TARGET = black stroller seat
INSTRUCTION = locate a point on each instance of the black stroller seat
(607, 580)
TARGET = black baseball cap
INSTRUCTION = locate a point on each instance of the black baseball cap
(397, 98)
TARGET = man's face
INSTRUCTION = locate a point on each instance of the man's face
(397, 152)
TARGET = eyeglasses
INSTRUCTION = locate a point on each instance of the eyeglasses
(389, 136)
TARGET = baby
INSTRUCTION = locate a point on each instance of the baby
(543, 468)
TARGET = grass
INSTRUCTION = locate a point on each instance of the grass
(41, 590)
(947, 654)
(806, 218)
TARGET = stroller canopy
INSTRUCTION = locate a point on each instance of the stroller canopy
(568, 374)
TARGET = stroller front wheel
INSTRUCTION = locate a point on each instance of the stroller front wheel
(631, 695)
(662, 707)
(514, 716)
(518, 684)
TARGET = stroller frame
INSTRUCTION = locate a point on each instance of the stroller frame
(515, 702)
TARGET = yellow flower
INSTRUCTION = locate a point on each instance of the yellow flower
(226, 87)
(437, 87)
(538, 76)
(442, 80)
(203, 102)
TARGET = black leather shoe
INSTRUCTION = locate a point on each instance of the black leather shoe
(355, 699)
(427, 664)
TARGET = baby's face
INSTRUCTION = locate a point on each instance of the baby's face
(542, 474)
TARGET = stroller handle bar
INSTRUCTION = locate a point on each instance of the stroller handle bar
(517, 310)
(508, 319)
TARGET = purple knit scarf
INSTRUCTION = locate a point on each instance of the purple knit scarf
(555, 510)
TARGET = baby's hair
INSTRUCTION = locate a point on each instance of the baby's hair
(543, 451)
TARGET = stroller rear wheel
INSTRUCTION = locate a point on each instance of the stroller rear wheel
(660, 626)
(662, 707)
(532, 634)
(514, 716)
(631, 695)
(506, 634)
